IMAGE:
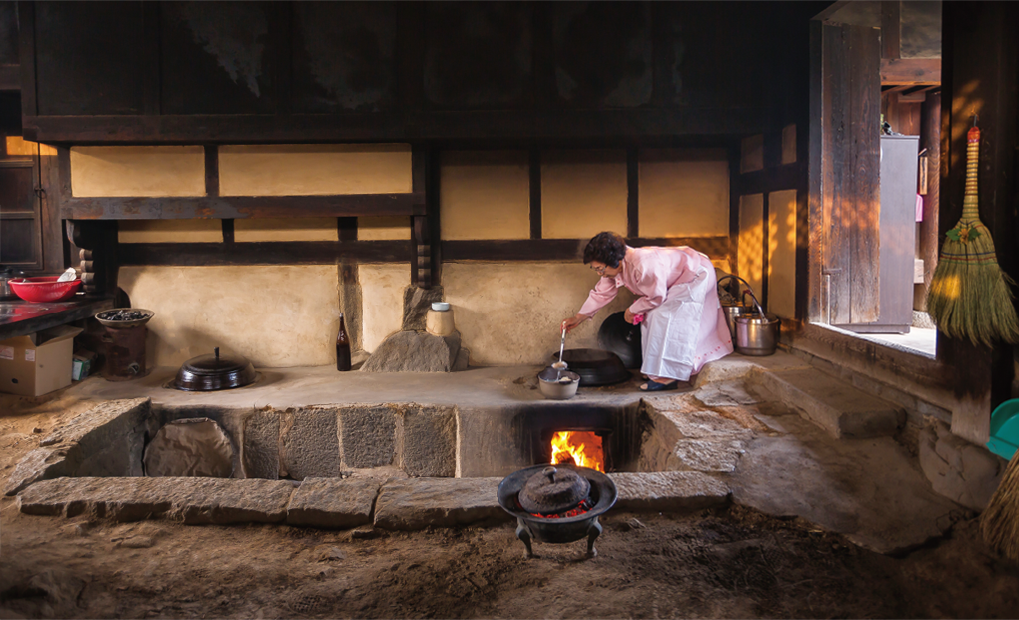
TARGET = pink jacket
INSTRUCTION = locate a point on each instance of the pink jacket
(648, 273)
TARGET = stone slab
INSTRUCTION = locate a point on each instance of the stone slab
(705, 455)
(333, 502)
(418, 503)
(309, 441)
(836, 406)
(368, 435)
(191, 500)
(671, 491)
(106, 440)
(429, 441)
(869, 490)
(261, 446)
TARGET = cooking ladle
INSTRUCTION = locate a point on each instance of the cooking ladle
(560, 366)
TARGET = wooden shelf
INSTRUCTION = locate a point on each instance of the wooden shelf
(18, 318)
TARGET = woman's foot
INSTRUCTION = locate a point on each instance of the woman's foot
(659, 385)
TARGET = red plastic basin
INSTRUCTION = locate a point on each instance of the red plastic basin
(45, 289)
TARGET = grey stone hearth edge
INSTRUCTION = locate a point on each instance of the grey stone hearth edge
(398, 504)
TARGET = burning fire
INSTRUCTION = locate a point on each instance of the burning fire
(581, 448)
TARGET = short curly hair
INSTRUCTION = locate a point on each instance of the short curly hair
(605, 247)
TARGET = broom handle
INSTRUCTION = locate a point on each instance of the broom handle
(970, 210)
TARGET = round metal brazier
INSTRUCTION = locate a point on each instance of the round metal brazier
(207, 373)
(553, 490)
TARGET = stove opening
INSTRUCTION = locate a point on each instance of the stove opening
(583, 448)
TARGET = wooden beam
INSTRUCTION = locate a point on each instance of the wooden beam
(555, 124)
(240, 207)
(565, 249)
(264, 253)
(890, 29)
(911, 71)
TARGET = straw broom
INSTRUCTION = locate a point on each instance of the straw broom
(999, 524)
(969, 295)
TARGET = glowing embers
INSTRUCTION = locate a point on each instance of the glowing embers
(584, 505)
(583, 448)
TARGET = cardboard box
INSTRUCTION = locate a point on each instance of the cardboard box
(38, 363)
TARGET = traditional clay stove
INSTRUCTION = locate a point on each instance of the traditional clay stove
(557, 504)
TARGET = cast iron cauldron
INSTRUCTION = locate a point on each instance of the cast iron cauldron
(595, 367)
(547, 495)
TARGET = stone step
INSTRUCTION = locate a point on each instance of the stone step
(408, 504)
(834, 405)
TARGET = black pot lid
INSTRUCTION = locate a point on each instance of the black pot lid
(215, 364)
(553, 489)
(595, 366)
(215, 372)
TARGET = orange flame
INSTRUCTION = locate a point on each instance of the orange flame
(581, 448)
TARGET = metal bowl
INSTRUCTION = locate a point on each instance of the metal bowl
(552, 385)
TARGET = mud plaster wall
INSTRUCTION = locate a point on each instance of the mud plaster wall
(125, 171)
(683, 193)
(510, 313)
(309, 169)
(244, 310)
(382, 289)
(485, 195)
(782, 253)
(582, 193)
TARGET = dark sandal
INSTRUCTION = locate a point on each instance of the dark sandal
(654, 386)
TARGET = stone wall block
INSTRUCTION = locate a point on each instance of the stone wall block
(333, 502)
(672, 491)
(429, 441)
(309, 444)
(367, 435)
(261, 445)
(959, 470)
(416, 304)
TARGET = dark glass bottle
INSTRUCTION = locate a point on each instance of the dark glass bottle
(342, 347)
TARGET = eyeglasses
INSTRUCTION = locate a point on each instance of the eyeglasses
(599, 270)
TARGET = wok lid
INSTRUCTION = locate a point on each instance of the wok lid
(595, 366)
(215, 372)
(553, 489)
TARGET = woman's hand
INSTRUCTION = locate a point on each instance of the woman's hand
(628, 317)
(573, 321)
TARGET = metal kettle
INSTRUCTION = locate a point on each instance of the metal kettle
(6, 275)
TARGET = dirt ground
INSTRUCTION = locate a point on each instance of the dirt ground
(732, 562)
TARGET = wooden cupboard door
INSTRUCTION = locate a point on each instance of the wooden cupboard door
(850, 172)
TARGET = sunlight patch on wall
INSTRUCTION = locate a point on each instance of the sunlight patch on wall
(751, 240)
(782, 253)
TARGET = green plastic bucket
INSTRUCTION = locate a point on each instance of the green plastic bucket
(1005, 429)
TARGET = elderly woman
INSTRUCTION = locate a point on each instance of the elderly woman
(682, 324)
